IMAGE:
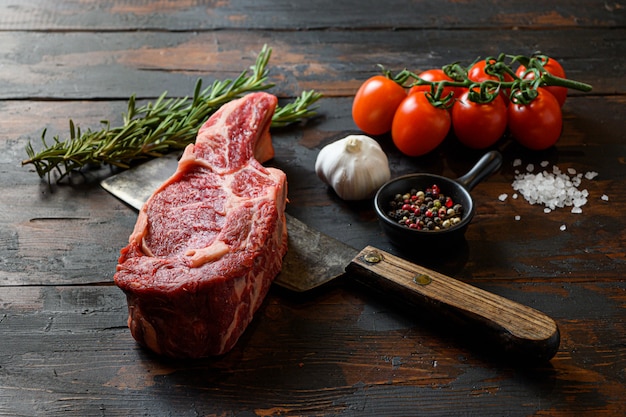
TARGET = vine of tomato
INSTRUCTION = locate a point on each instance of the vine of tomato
(435, 75)
(553, 67)
(538, 124)
(479, 125)
(375, 104)
(419, 127)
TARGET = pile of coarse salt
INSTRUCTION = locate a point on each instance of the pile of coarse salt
(555, 189)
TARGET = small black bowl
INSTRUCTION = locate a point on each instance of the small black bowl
(458, 189)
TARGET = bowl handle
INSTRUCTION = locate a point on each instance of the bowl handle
(487, 165)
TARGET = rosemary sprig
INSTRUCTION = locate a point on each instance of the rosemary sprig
(167, 124)
(297, 110)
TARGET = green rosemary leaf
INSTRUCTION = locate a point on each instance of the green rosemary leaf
(300, 109)
(158, 127)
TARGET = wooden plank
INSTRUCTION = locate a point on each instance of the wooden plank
(119, 15)
(114, 65)
(296, 358)
(64, 346)
(51, 229)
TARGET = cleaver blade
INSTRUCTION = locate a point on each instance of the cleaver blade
(313, 259)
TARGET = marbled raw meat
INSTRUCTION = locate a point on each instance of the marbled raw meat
(210, 241)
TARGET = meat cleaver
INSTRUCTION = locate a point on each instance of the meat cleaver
(314, 259)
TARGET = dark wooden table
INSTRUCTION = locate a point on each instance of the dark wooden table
(65, 349)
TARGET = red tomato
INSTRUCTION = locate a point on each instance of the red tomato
(477, 73)
(434, 75)
(479, 125)
(418, 126)
(554, 68)
(536, 125)
(375, 104)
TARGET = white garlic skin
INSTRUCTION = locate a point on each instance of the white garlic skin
(355, 167)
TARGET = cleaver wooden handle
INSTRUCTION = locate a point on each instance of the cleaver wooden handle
(522, 331)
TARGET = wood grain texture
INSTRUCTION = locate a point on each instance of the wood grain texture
(342, 350)
(98, 66)
(190, 15)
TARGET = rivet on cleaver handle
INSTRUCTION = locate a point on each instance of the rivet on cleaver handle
(519, 329)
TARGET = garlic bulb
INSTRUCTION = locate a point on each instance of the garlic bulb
(355, 167)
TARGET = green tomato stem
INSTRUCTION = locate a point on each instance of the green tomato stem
(487, 90)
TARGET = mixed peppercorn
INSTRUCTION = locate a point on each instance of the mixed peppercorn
(425, 209)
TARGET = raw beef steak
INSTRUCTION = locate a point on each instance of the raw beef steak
(210, 241)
